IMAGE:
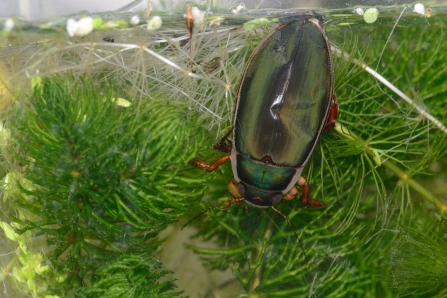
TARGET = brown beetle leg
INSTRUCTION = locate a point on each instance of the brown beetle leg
(291, 194)
(333, 114)
(293, 229)
(226, 202)
(209, 168)
(236, 199)
(224, 145)
(305, 200)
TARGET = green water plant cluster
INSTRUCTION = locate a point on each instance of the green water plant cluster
(97, 178)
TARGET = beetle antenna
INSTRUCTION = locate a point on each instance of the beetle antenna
(263, 213)
(293, 229)
(228, 202)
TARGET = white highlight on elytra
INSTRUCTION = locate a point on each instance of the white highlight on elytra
(419, 8)
(79, 28)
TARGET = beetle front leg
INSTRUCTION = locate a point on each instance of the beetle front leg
(305, 200)
(333, 115)
(209, 168)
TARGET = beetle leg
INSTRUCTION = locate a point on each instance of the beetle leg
(293, 229)
(236, 201)
(333, 114)
(291, 194)
(233, 188)
(305, 200)
(224, 145)
(226, 202)
(209, 168)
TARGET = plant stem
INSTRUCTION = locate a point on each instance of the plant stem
(404, 176)
(257, 276)
(422, 110)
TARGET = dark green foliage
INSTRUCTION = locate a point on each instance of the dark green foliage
(418, 262)
(130, 276)
(107, 178)
(365, 171)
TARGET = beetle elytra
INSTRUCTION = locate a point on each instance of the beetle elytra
(284, 103)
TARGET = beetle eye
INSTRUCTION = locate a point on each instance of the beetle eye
(276, 198)
(241, 189)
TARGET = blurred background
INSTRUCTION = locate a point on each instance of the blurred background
(38, 9)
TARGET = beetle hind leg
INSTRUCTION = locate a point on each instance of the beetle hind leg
(305, 200)
(209, 167)
(332, 116)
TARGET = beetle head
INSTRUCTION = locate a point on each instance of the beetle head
(258, 198)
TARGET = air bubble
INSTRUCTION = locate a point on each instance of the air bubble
(370, 15)
(419, 8)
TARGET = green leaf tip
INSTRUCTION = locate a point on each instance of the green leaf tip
(418, 262)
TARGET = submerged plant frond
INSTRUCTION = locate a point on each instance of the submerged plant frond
(100, 179)
(97, 167)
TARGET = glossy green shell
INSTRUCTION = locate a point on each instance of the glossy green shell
(285, 95)
(262, 175)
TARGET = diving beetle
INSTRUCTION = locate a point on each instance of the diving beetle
(285, 102)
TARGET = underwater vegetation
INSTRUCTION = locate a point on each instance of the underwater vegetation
(97, 136)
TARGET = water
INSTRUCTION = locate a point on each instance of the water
(370, 171)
